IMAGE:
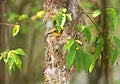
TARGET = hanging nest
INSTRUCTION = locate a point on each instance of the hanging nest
(55, 58)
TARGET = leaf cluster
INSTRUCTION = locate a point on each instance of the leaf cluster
(12, 59)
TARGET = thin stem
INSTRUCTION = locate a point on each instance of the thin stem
(7, 24)
(98, 28)
(92, 22)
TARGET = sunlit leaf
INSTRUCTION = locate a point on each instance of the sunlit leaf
(68, 17)
(81, 27)
(96, 13)
(19, 51)
(1, 58)
(18, 63)
(78, 41)
(70, 58)
(64, 10)
(69, 43)
(15, 30)
(92, 66)
(112, 18)
(61, 19)
(40, 14)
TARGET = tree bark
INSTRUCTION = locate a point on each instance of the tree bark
(105, 58)
(55, 65)
(4, 38)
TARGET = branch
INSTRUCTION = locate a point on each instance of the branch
(7, 24)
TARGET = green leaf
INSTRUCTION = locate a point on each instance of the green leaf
(7, 57)
(117, 42)
(78, 41)
(87, 33)
(112, 18)
(10, 63)
(64, 10)
(113, 53)
(78, 62)
(12, 17)
(70, 58)
(68, 44)
(68, 17)
(40, 14)
(96, 13)
(99, 46)
(23, 16)
(92, 66)
(81, 27)
(61, 19)
(16, 29)
(3, 55)
(18, 51)
(18, 63)
(1, 58)
(87, 60)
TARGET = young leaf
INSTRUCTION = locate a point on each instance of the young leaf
(81, 27)
(64, 10)
(18, 63)
(40, 14)
(68, 17)
(99, 46)
(112, 18)
(87, 60)
(16, 29)
(70, 58)
(18, 51)
(61, 19)
(78, 62)
(96, 13)
(69, 43)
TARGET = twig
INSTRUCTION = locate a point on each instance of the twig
(7, 24)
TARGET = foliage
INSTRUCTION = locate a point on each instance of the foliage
(96, 13)
(77, 56)
(12, 59)
(81, 58)
(61, 18)
(112, 18)
(16, 29)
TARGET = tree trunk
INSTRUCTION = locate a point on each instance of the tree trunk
(105, 58)
(55, 58)
(4, 38)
